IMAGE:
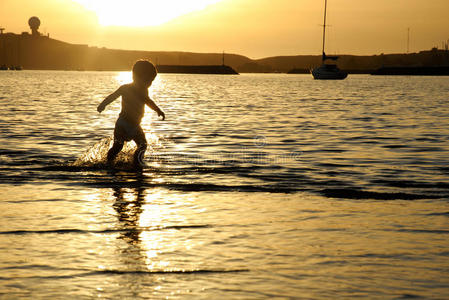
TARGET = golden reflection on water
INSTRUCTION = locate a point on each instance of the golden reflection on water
(140, 215)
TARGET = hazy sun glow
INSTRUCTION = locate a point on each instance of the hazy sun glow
(142, 13)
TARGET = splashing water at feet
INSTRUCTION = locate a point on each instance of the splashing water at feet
(96, 156)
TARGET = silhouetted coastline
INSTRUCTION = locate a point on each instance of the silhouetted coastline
(420, 71)
(205, 69)
(38, 52)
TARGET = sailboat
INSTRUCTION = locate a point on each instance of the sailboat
(327, 70)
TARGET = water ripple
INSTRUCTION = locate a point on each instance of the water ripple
(104, 231)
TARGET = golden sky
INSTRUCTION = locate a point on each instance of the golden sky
(254, 28)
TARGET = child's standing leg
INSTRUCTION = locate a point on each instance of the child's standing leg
(119, 141)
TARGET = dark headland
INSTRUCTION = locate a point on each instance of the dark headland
(421, 71)
(34, 51)
(44, 53)
(197, 69)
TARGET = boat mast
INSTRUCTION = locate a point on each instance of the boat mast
(324, 28)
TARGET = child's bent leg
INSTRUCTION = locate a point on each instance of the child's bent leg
(141, 143)
(115, 149)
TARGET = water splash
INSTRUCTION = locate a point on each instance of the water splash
(96, 155)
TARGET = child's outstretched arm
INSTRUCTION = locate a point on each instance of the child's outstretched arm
(154, 107)
(109, 99)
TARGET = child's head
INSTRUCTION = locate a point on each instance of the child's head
(144, 72)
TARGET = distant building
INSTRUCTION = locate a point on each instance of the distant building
(34, 23)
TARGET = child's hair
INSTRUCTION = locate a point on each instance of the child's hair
(145, 70)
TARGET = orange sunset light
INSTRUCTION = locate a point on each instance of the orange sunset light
(140, 13)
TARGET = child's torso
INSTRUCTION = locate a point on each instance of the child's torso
(133, 104)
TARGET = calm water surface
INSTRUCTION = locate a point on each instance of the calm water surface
(255, 186)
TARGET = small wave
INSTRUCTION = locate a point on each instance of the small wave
(410, 296)
(195, 271)
(35, 266)
(443, 169)
(289, 141)
(408, 256)
(192, 187)
(13, 152)
(427, 149)
(100, 177)
(88, 273)
(439, 214)
(39, 200)
(434, 231)
(70, 168)
(180, 138)
(104, 231)
(207, 187)
(334, 165)
(412, 184)
(333, 262)
(395, 146)
(359, 194)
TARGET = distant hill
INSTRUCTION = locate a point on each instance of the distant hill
(42, 52)
(359, 64)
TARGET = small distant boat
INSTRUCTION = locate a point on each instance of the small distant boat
(327, 70)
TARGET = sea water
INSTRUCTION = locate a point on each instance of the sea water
(255, 186)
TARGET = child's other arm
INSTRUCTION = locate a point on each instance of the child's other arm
(154, 107)
(109, 99)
